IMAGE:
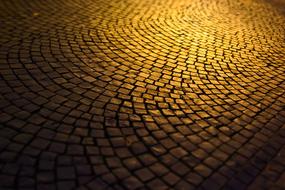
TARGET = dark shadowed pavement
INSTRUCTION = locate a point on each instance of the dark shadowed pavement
(142, 94)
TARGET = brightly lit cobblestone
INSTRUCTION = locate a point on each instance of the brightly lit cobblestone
(142, 94)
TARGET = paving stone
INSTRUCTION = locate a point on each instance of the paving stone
(144, 174)
(66, 172)
(45, 177)
(25, 182)
(194, 178)
(66, 185)
(142, 94)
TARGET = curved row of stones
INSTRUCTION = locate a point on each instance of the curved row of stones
(131, 94)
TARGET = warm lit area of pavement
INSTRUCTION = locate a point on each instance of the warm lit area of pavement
(142, 94)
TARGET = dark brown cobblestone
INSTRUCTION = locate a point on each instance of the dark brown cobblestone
(104, 94)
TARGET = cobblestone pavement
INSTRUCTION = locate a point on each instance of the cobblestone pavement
(142, 94)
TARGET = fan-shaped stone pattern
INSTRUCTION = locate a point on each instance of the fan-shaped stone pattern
(142, 94)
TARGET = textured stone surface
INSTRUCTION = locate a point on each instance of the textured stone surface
(131, 94)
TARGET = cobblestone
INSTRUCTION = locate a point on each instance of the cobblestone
(142, 94)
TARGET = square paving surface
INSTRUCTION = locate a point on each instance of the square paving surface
(142, 94)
